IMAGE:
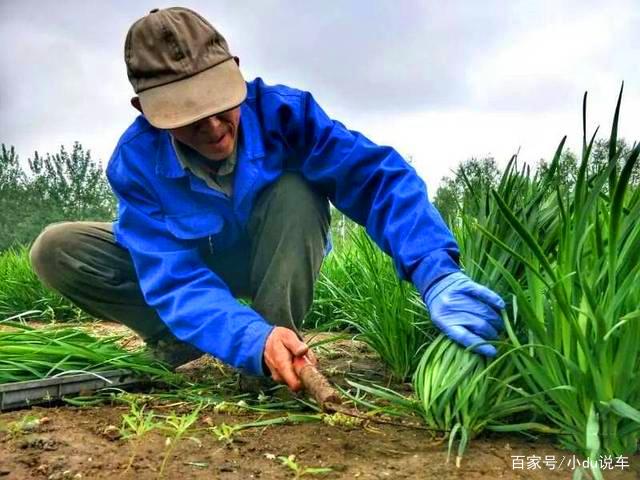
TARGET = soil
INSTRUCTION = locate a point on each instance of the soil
(83, 442)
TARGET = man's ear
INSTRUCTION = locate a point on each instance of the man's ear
(135, 102)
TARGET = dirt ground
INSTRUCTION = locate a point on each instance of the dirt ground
(83, 442)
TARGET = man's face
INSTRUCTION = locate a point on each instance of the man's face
(213, 137)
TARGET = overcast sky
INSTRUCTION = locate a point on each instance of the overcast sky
(441, 81)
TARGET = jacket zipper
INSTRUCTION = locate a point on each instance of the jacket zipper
(210, 245)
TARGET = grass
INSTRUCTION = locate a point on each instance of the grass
(177, 427)
(21, 291)
(300, 471)
(459, 392)
(579, 303)
(568, 261)
(359, 288)
(28, 353)
(531, 198)
(135, 425)
(463, 393)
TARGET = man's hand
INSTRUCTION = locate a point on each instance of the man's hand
(279, 351)
(465, 311)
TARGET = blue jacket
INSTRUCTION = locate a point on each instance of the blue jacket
(165, 212)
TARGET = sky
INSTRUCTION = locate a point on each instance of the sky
(441, 82)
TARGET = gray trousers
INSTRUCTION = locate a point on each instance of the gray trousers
(275, 266)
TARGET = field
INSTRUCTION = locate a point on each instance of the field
(86, 440)
(561, 244)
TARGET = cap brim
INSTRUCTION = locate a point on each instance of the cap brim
(185, 101)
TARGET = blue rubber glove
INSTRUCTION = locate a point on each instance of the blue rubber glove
(465, 311)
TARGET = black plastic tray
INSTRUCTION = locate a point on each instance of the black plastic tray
(34, 392)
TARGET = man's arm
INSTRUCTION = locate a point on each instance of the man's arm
(377, 188)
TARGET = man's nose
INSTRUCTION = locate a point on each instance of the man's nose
(212, 123)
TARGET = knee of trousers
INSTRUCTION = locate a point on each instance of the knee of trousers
(293, 195)
(47, 249)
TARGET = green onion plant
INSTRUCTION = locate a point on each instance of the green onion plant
(579, 302)
(21, 290)
(363, 292)
(28, 353)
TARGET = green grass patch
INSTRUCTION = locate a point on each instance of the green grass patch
(28, 353)
(22, 291)
(359, 290)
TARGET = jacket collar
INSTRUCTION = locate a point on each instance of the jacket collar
(251, 145)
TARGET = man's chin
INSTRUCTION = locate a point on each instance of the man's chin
(215, 157)
(216, 154)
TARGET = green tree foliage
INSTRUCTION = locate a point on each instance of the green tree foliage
(475, 176)
(567, 169)
(11, 175)
(14, 198)
(599, 160)
(55, 187)
(470, 179)
(74, 183)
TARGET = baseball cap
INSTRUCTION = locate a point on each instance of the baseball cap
(180, 67)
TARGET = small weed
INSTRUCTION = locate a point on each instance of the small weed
(237, 408)
(26, 424)
(224, 432)
(300, 471)
(177, 426)
(134, 426)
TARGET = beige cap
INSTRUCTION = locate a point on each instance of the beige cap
(181, 68)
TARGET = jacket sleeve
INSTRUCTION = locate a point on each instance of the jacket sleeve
(191, 300)
(378, 189)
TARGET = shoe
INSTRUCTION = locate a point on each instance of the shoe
(173, 352)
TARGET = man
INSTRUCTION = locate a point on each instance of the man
(223, 190)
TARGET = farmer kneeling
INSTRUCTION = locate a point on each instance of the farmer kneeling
(223, 191)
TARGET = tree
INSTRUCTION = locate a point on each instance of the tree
(567, 170)
(62, 186)
(11, 174)
(13, 197)
(73, 183)
(471, 179)
(599, 159)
